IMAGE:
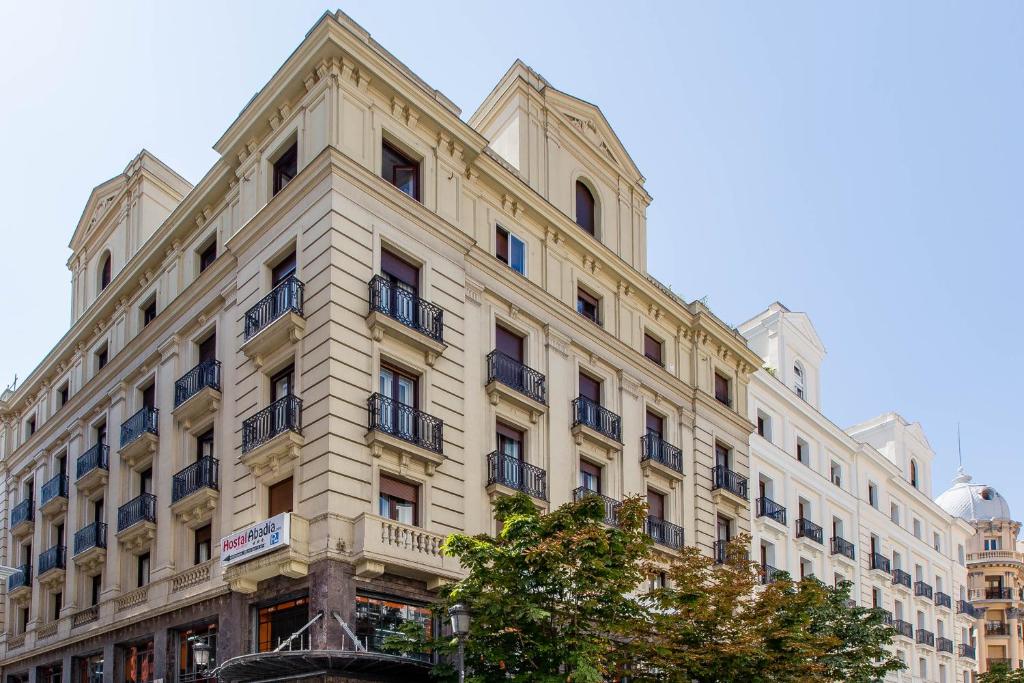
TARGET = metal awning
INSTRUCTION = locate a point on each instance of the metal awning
(369, 666)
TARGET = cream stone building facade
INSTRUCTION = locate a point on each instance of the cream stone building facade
(282, 387)
(855, 504)
(995, 564)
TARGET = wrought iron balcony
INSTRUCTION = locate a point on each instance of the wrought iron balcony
(655, 449)
(665, 533)
(727, 480)
(770, 574)
(139, 509)
(205, 375)
(284, 414)
(840, 546)
(144, 421)
(591, 414)
(22, 512)
(203, 473)
(286, 297)
(944, 644)
(965, 650)
(92, 536)
(611, 506)
(21, 578)
(922, 589)
(903, 628)
(964, 607)
(925, 637)
(901, 578)
(97, 457)
(999, 594)
(766, 507)
(510, 372)
(881, 563)
(56, 487)
(407, 308)
(406, 423)
(943, 600)
(997, 628)
(994, 662)
(512, 472)
(721, 551)
(52, 558)
(805, 528)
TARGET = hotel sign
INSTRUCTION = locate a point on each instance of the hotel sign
(255, 540)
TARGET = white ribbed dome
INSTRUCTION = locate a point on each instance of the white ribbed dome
(973, 502)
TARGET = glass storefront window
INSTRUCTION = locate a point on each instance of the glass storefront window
(378, 618)
(138, 662)
(188, 672)
(275, 623)
(89, 669)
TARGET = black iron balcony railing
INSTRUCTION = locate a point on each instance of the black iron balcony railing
(656, 449)
(142, 508)
(98, 456)
(966, 650)
(206, 374)
(998, 662)
(840, 546)
(52, 558)
(407, 308)
(283, 415)
(22, 512)
(406, 423)
(591, 414)
(964, 607)
(901, 578)
(724, 478)
(770, 574)
(665, 533)
(999, 594)
(138, 424)
(512, 472)
(943, 600)
(721, 551)
(201, 474)
(944, 644)
(925, 637)
(286, 297)
(922, 589)
(20, 578)
(766, 507)
(92, 536)
(903, 628)
(56, 487)
(510, 372)
(611, 506)
(997, 628)
(880, 562)
(805, 528)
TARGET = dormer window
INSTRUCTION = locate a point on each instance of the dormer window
(400, 170)
(798, 380)
(105, 272)
(286, 167)
(586, 208)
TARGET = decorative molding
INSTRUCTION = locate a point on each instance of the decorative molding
(557, 342)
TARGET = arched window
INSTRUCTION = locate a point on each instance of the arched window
(586, 208)
(798, 379)
(105, 272)
(913, 473)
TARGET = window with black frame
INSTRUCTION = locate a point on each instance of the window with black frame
(276, 623)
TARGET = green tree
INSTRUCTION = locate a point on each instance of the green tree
(1001, 673)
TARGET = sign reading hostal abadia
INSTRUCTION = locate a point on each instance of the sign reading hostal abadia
(255, 540)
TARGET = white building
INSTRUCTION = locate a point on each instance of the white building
(854, 504)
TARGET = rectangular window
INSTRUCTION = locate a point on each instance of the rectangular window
(203, 544)
(917, 528)
(653, 348)
(149, 396)
(399, 501)
(590, 476)
(30, 426)
(378, 618)
(508, 343)
(276, 623)
(280, 497)
(208, 348)
(937, 541)
(138, 662)
(894, 512)
(722, 389)
(58, 603)
(95, 588)
(872, 494)
(286, 167)
(590, 388)
(149, 311)
(204, 445)
(764, 425)
(284, 269)
(837, 474)
(400, 170)
(509, 440)
(63, 394)
(655, 504)
(510, 250)
(282, 384)
(588, 305)
(803, 454)
(722, 456)
(655, 424)
(208, 255)
(101, 357)
(142, 567)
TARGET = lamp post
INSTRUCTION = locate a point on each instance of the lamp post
(459, 614)
(201, 653)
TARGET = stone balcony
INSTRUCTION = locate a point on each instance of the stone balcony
(383, 545)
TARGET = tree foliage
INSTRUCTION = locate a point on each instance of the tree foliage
(1001, 673)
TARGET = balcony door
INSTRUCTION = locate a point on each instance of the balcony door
(723, 530)
(403, 279)
(590, 476)
(208, 348)
(149, 396)
(722, 456)
(655, 425)
(284, 269)
(146, 481)
(396, 416)
(282, 384)
(655, 504)
(510, 447)
(204, 445)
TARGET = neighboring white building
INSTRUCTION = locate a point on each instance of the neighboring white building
(854, 504)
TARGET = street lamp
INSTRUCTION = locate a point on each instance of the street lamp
(460, 617)
(201, 653)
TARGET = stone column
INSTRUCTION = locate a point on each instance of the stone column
(232, 628)
(110, 663)
(165, 461)
(330, 591)
(1013, 617)
(160, 660)
(73, 518)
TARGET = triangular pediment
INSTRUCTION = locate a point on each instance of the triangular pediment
(101, 200)
(802, 323)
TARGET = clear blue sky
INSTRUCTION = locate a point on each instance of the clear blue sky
(860, 162)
